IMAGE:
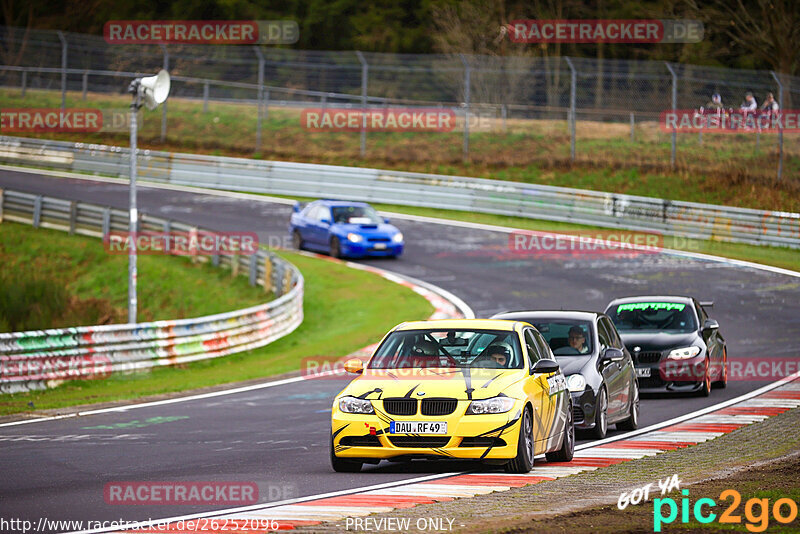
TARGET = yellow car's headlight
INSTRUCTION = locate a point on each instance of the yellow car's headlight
(355, 405)
(493, 405)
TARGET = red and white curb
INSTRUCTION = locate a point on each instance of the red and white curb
(681, 432)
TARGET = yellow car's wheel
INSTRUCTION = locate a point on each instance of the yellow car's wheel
(340, 465)
(523, 462)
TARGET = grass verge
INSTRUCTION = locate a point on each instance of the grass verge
(341, 315)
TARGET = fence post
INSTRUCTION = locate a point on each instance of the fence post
(85, 84)
(266, 105)
(2, 198)
(164, 104)
(633, 138)
(674, 107)
(364, 77)
(205, 97)
(504, 114)
(253, 269)
(467, 84)
(573, 88)
(780, 126)
(73, 217)
(37, 211)
(63, 69)
(267, 273)
(24, 81)
(260, 96)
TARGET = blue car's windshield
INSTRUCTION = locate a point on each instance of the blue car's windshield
(356, 215)
(487, 349)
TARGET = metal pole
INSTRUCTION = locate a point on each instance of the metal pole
(266, 105)
(63, 70)
(504, 111)
(164, 109)
(674, 107)
(573, 88)
(780, 126)
(85, 84)
(133, 213)
(205, 97)
(467, 84)
(260, 95)
(364, 76)
(632, 128)
(24, 82)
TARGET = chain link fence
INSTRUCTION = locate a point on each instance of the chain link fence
(581, 97)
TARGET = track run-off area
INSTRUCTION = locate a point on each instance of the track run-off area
(276, 434)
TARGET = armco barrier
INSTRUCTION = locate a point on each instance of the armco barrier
(687, 219)
(36, 359)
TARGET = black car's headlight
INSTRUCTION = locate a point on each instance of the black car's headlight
(493, 405)
(684, 353)
(355, 405)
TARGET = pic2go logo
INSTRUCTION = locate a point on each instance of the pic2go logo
(756, 511)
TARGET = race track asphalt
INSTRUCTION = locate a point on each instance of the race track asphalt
(278, 436)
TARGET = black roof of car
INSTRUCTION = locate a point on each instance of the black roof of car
(649, 298)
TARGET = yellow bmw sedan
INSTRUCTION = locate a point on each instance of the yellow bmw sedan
(479, 389)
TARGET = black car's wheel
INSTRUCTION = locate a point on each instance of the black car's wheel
(340, 465)
(722, 383)
(600, 415)
(297, 240)
(523, 462)
(336, 249)
(632, 422)
(565, 453)
(705, 391)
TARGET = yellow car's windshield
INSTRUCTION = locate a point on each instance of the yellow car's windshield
(483, 349)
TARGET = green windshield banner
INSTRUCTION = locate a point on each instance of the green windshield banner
(651, 305)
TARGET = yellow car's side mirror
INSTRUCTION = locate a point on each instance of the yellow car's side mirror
(354, 365)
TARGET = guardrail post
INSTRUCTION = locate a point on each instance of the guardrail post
(780, 126)
(268, 273)
(234, 265)
(167, 228)
(205, 97)
(73, 216)
(253, 269)
(266, 105)
(633, 123)
(364, 76)
(164, 104)
(278, 285)
(260, 96)
(323, 102)
(24, 82)
(85, 83)
(2, 198)
(467, 84)
(37, 211)
(504, 114)
(63, 69)
(107, 222)
(215, 260)
(674, 107)
(573, 88)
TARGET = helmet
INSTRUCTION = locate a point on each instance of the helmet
(425, 347)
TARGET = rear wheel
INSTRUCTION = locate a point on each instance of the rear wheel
(297, 240)
(565, 453)
(523, 462)
(722, 383)
(705, 391)
(600, 415)
(336, 249)
(340, 465)
(632, 422)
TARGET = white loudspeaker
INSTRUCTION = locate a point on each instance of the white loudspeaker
(155, 89)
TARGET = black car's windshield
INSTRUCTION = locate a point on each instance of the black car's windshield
(356, 215)
(488, 349)
(653, 316)
(566, 337)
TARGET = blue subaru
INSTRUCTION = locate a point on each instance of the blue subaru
(344, 229)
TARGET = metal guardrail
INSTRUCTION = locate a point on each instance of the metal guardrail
(37, 359)
(686, 219)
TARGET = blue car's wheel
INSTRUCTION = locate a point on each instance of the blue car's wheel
(297, 240)
(336, 249)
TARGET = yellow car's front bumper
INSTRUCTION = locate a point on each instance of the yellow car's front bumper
(486, 436)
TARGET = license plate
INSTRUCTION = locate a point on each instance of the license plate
(643, 372)
(379, 246)
(418, 427)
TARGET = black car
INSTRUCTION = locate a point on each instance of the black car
(599, 370)
(675, 345)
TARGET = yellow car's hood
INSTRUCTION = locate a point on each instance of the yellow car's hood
(462, 384)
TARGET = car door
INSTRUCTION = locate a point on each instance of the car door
(627, 373)
(305, 224)
(559, 394)
(536, 388)
(321, 227)
(613, 376)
